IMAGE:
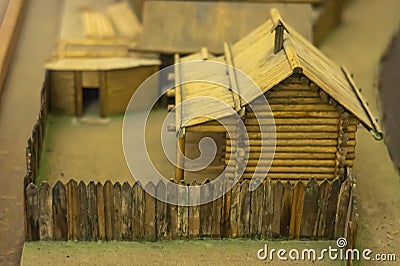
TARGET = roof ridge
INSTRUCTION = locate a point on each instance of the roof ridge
(292, 56)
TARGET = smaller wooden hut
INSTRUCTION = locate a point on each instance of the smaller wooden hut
(315, 105)
(94, 61)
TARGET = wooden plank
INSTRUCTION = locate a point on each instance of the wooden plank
(297, 210)
(276, 220)
(291, 142)
(268, 212)
(101, 218)
(72, 209)
(342, 208)
(82, 209)
(292, 169)
(291, 121)
(194, 210)
(287, 200)
(303, 149)
(183, 211)
(293, 93)
(309, 210)
(283, 156)
(138, 211)
(298, 114)
(60, 212)
(161, 211)
(116, 212)
(126, 212)
(332, 208)
(93, 231)
(244, 209)
(217, 208)
(172, 211)
(287, 176)
(226, 209)
(292, 162)
(45, 211)
(108, 192)
(32, 212)
(206, 193)
(150, 212)
(9, 32)
(235, 210)
(256, 211)
(294, 135)
(323, 199)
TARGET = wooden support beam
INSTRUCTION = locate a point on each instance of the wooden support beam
(232, 77)
(180, 157)
(178, 94)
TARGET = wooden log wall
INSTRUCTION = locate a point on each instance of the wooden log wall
(35, 142)
(315, 137)
(192, 151)
(114, 211)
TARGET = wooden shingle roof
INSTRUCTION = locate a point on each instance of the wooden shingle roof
(254, 55)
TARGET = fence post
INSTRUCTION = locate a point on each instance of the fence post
(161, 210)
(138, 213)
(183, 211)
(206, 209)
(310, 209)
(323, 197)
(116, 213)
(217, 207)
(46, 211)
(286, 211)
(60, 211)
(32, 212)
(92, 211)
(126, 211)
(150, 212)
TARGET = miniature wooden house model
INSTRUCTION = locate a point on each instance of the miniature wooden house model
(315, 105)
(94, 61)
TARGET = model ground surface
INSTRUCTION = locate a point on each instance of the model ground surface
(200, 252)
(358, 43)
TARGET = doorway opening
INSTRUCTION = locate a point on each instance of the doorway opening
(91, 101)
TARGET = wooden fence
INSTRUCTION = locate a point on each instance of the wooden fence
(35, 142)
(95, 211)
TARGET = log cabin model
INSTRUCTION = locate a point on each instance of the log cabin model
(315, 104)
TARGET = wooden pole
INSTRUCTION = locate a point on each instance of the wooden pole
(180, 157)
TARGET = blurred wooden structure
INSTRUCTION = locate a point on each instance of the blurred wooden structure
(10, 27)
(315, 106)
(186, 26)
(94, 53)
(194, 24)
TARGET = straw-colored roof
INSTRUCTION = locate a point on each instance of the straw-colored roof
(254, 55)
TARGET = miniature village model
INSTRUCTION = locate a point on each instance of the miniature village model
(309, 190)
